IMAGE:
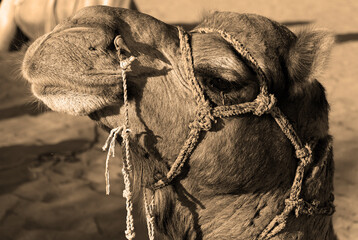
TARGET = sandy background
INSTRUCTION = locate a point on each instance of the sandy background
(52, 166)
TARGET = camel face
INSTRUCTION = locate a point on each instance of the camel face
(90, 69)
(242, 161)
(75, 68)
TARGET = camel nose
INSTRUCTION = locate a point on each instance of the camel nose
(30, 64)
(33, 67)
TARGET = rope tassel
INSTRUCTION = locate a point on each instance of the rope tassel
(110, 146)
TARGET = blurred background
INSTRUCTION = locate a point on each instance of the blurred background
(51, 164)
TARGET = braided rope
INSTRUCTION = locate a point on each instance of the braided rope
(261, 105)
(304, 154)
(127, 167)
(264, 103)
(149, 207)
(241, 49)
(203, 118)
(189, 69)
(179, 162)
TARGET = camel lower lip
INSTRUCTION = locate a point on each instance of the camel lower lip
(70, 102)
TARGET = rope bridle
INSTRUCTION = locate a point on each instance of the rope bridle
(206, 115)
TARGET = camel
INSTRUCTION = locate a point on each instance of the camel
(37, 17)
(237, 179)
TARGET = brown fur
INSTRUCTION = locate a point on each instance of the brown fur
(241, 171)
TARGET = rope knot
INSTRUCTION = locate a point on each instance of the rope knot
(129, 234)
(313, 207)
(125, 64)
(125, 131)
(297, 204)
(265, 104)
(203, 119)
(300, 205)
(305, 154)
(291, 203)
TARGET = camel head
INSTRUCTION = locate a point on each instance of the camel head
(75, 69)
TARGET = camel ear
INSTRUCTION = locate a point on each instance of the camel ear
(308, 56)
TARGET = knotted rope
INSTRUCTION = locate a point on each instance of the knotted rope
(264, 103)
(203, 116)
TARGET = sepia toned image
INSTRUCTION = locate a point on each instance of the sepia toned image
(133, 119)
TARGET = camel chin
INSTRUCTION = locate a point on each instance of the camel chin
(73, 103)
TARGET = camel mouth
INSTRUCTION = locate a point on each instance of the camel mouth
(77, 103)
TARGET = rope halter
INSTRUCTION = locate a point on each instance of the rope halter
(206, 115)
(264, 103)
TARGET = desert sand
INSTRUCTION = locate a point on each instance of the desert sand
(52, 166)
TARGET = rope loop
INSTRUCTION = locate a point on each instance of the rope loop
(203, 119)
(265, 103)
(305, 154)
(125, 131)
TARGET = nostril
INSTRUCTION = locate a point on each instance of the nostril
(30, 69)
(33, 67)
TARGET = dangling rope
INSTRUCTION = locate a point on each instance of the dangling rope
(127, 167)
(110, 146)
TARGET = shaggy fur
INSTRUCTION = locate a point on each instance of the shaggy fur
(241, 171)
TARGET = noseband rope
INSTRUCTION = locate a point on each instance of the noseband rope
(206, 115)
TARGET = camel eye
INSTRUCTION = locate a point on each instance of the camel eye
(92, 48)
(220, 84)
